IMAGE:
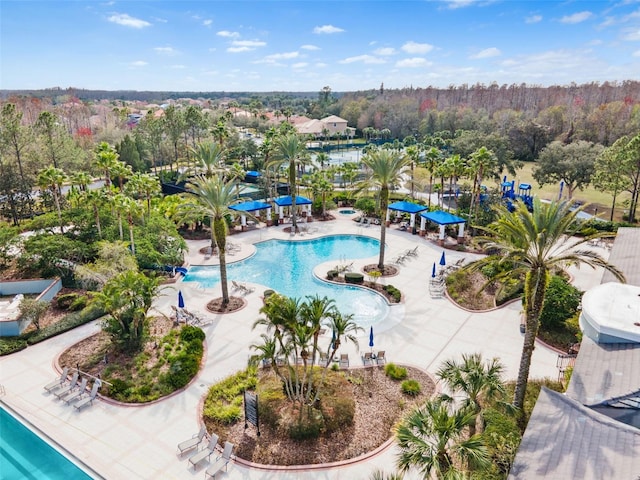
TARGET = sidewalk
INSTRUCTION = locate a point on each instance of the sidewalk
(140, 442)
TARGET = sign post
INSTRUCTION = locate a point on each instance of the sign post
(251, 411)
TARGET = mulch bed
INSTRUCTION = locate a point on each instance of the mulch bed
(380, 404)
(235, 304)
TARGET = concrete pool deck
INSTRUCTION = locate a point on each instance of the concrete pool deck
(140, 442)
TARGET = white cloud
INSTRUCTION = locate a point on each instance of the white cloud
(362, 58)
(321, 65)
(128, 21)
(453, 4)
(138, 63)
(169, 51)
(636, 53)
(414, 47)
(207, 22)
(412, 62)
(227, 34)
(487, 53)
(385, 51)
(248, 43)
(533, 19)
(309, 47)
(327, 29)
(299, 65)
(576, 17)
(631, 35)
(282, 56)
(239, 49)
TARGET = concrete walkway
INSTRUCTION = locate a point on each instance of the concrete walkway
(140, 442)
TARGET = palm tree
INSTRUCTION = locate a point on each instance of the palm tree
(212, 197)
(52, 178)
(321, 187)
(535, 243)
(480, 382)
(384, 171)
(292, 153)
(413, 152)
(480, 162)
(106, 158)
(432, 158)
(209, 159)
(143, 185)
(433, 439)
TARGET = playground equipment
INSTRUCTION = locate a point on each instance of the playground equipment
(523, 195)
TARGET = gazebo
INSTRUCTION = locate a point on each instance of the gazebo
(286, 202)
(443, 219)
(407, 207)
(251, 206)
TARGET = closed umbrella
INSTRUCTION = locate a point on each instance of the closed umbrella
(180, 299)
(433, 270)
(371, 337)
(442, 260)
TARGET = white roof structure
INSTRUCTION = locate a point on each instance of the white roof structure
(611, 313)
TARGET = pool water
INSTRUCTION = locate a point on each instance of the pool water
(24, 455)
(287, 267)
(347, 212)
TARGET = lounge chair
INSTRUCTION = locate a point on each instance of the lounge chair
(380, 358)
(207, 253)
(344, 360)
(324, 359)
(92, 396)
(221, 461)
(74, 395)
(57, 383)
(367, 359)
(193, 442)
(61, 392)
(413, 252)
(206, 452)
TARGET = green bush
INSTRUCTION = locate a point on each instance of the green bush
(310, 426)
(560, 303)
(394, 292)
(502, 438)
(224, 399)
(395, 372)
(410, 387)
(353, 277)
(64, 301)
(332, 274)
(189, 333)
(11, 345)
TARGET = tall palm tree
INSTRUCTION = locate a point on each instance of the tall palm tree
(479, 381)
(291, 152)
(433, 439)
(535, 243)
(212, 197)
(52, 178)
(384, 171)
(432, 158)
(106, 158)
(209, 159)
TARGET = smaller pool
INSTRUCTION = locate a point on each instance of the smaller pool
(347, 212)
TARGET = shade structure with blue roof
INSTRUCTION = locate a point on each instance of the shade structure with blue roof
(443, 219)
(250, 206)
(285, 201)
(407, 207)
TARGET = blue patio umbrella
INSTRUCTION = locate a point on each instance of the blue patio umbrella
(180, 299)
(371, 337)
(433, 270)
(442, 260)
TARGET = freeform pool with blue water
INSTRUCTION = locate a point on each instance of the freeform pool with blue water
(24, 455)
(287, 267)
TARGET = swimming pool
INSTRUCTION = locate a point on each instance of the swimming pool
(24, 455)
(287, 267)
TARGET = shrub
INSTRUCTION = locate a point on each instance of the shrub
(353, 277)
(394, 292)
(12, 344)
(308, 427)
(410, 387)
(502, 438)
(395, 372)
(65, 301)
(69, 322)
(224, 400)
(332, 274)
(189, 333)
(560, 303)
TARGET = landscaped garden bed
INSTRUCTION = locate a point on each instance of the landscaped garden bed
(358, 411)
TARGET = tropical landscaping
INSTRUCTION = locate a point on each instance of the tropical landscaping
(114, 238)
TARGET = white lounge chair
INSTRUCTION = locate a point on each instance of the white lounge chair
(367, 359)
(221, 461)
(344, 360)
(193, 442)
(57, 383)
(61, 392)
(206, 452)
(92, 396)
(73, 395)
(380, 358)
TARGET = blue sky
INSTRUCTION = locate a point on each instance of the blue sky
(305, 45)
